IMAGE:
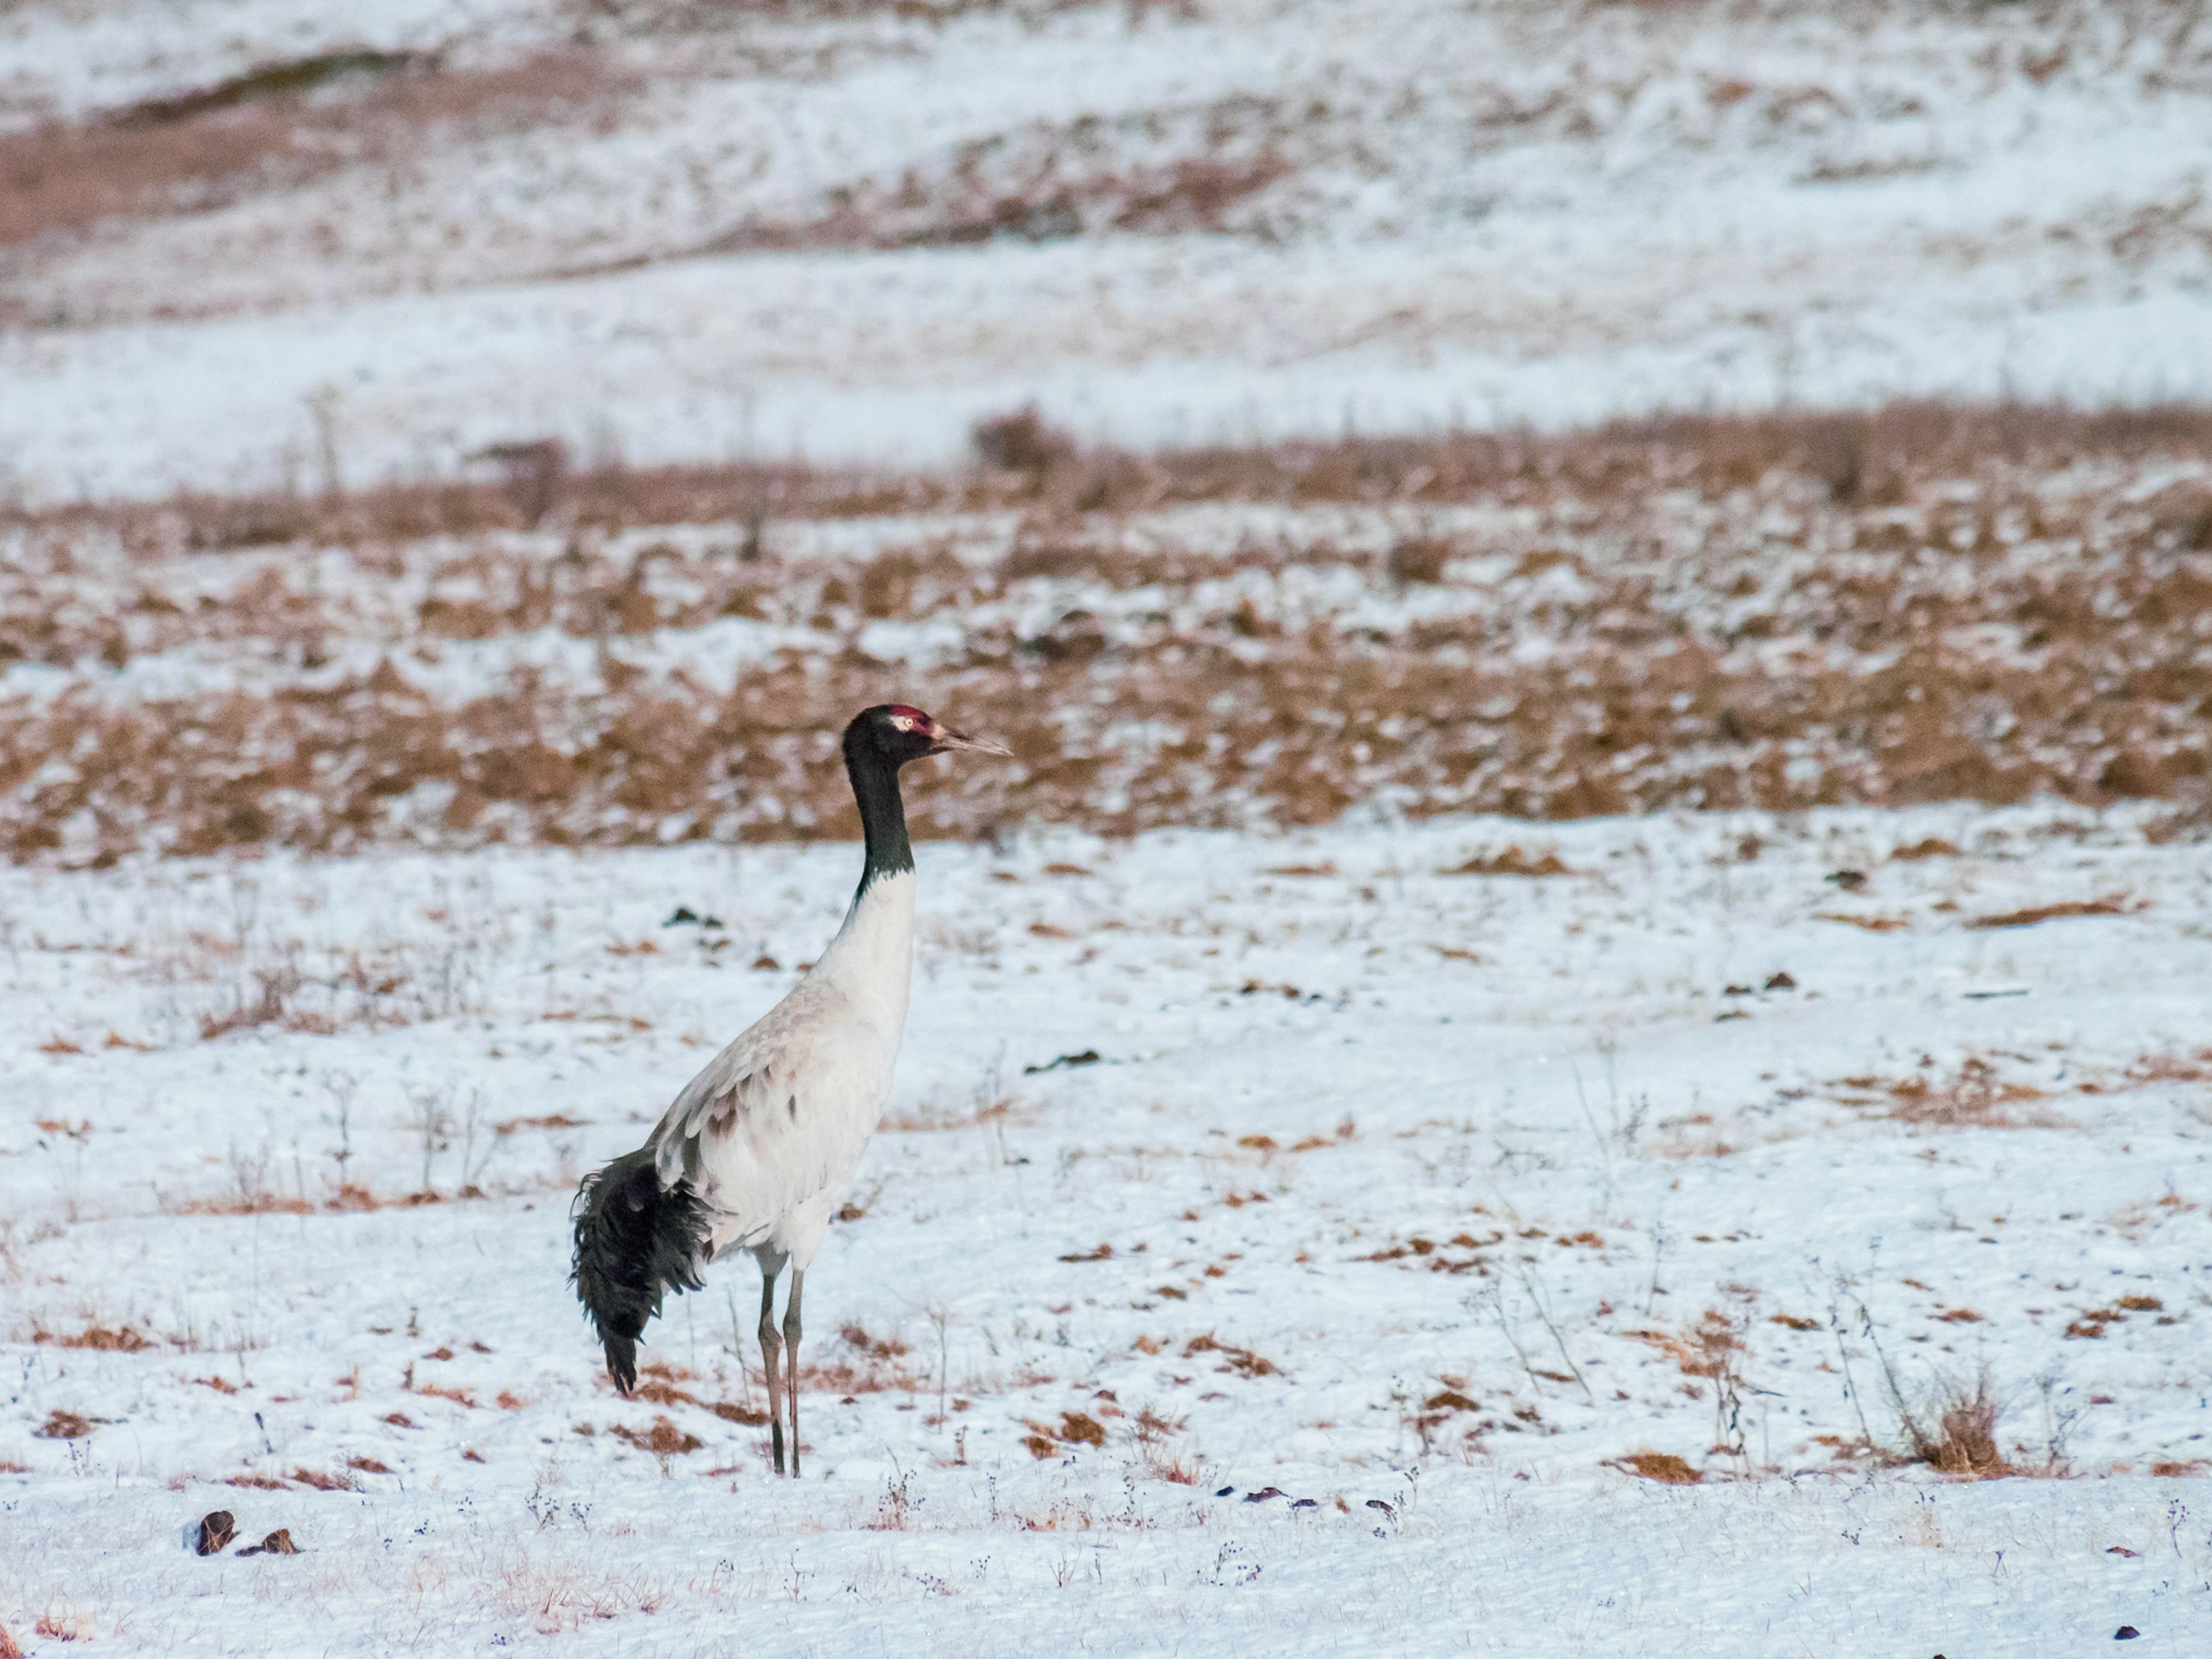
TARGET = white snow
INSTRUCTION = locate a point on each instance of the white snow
(1548, 1071)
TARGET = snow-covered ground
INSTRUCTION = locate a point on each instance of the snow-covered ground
(1276, 1245)
(844, 232)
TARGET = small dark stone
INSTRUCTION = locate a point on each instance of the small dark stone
(683, 913)
(1737, 991)
(1307, 1503)
(1378, 1504)
(1852, 881)
(2126, 1633)
(1226, 1492)
(217, 1528)
(1780, 981)
(1264, 1494)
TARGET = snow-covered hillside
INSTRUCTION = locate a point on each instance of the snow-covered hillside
(1276, 1245)
(843, 230)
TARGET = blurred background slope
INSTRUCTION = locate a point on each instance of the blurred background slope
(244, 242)
(538, 422)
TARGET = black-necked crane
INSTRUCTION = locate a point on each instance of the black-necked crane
(759, 1151)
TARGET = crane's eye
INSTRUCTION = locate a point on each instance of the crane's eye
(904, 722)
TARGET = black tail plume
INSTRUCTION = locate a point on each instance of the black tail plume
(636, 1239)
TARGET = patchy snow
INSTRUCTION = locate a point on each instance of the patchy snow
(1441, 1191)
(763, 238)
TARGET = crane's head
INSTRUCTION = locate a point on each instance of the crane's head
(900, 734)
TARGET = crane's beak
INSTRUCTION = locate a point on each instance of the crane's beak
(949, 740)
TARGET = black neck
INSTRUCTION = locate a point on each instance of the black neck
(882, 814)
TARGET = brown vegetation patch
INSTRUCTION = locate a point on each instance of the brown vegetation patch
(1704, 1349)
(1050, 182)
(2192, 1068)
(1933, 848)
(65, 1426)
(276, 125)
(2091, 1321)
(1663, 1467)
(2110, 906)
(1962, 1439)
(1241, 1361)
(663, 1439)
(1511, 862)
(322, 1480)
(552, 1120)
(122, 1338)
(1975, 1097)
(261, 1203)
(1938, 645)
(655, 1390)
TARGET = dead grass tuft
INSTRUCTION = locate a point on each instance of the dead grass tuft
(1511, 862)
(1021, 442)
(1975, 1097)
(1155, 1434)
(663, 1439)
(1706, 1348)
(1933, 848)
(1665, 1468)
(59, 1622)
(65, 1426)
(122, 1338)
(1240, 1361)
(1961, 1440)
(2112, 905)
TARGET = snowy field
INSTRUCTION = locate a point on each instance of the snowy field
(1552, 1042)
(677, 231)
(1295, 1244)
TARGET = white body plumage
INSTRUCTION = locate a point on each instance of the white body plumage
(770, 1133)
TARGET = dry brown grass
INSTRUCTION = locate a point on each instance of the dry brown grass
(1242, 1362)
(2112, 906)
(1974, 1096)
(1986, 604)
(1511, 862)
(663, 1439)
(1155, 1435)
(122, 1338)
(1665, 1468)
(1706, 1348)
(276, 125)
(1957, 1434)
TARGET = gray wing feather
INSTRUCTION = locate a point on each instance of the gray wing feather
(778, 1116)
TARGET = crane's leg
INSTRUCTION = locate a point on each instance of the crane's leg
(791, 1359)
(770, 1345)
